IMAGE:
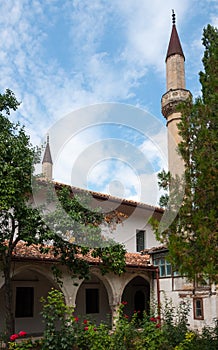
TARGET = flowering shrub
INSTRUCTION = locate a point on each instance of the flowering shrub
(94, 338)
(16, 336)
(125, 330)
(67, 331)
(26, 345)
(188, 342)
(23, 345)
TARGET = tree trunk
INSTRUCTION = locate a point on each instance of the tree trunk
(9, 316)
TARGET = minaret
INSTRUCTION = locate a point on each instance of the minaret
(176, 93)
(47, 163)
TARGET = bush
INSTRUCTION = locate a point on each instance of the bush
(26, 345)
(92, 337)
(59, 331)
(65, 331)
(125, 331)
(175, 321)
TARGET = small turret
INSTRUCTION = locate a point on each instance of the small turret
(47, 164)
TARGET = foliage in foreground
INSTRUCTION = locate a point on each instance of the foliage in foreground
(64, 330)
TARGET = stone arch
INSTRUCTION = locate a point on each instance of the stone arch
(92, 299)
(136, 294)
(130, 277)
(29, 277)
(40, 268)
(106, 280)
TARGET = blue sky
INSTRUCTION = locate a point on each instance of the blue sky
(62, 56)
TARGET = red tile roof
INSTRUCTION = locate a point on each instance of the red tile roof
(32, 252)
(104, 197)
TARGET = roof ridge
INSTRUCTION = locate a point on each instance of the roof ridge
(108, 196)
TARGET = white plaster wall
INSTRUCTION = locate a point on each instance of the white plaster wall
(33, 324)
(126, 232)
(176, 295)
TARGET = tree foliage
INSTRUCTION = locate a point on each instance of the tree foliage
(192, 238)
(22, 222)
(76, 230)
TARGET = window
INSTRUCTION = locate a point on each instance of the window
(140, 240)
(92, 301)
(165, 268)
(202, 283)
(198, 309)
(24, 302)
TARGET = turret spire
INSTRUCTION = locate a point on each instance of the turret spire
(47, 154)
(174, 44)
(47, 162)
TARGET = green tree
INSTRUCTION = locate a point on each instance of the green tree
(19, 221)
(192, 238)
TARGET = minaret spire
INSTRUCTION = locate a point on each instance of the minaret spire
(176, 93)
(47, 163)
(175, 46)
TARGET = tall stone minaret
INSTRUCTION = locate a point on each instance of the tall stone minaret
(47, 163)
(176, 93)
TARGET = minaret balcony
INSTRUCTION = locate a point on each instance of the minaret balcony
(172, 98)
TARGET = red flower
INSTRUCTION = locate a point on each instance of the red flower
(86, 328)
(158, 317)
(95, 329)
(22, 333)
(126, 316)
(85, 321)
(152, 319)
(76, 319)
(124, 302)
(14, 336)
(158, 325)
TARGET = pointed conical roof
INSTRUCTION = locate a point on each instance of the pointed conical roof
(47, 154)
(174, 44)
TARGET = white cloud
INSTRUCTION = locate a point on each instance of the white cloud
(147, 29)
(59, 56)
(155, 149)
(120, 166)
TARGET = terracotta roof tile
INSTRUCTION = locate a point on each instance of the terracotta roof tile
(104, 196)
(22, 250)
(32, 252)
(161, 248)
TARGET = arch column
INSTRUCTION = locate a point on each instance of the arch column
(114, 306)
(70, 290)
(2, 281)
